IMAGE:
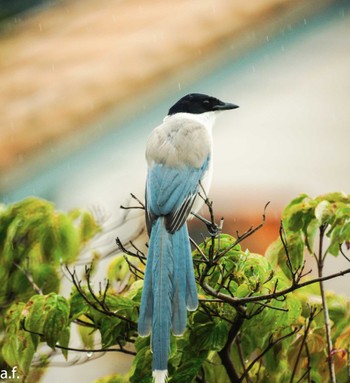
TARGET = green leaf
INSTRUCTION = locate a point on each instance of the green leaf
(110, 329)
(311, 233)
(88, 226)
(63, 341)
(324, 213)
(210, 336)
(188, 370)
(141, 369)
(118, 303)
(33, 315)
(18, 348)
(78, 305)
(242, 291)
(118, 269)
(297, 212)
(87, 335)
(334, 197)
(56, 308)
(112, 379)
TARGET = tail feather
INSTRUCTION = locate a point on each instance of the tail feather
(191, 289)
(169, 290)
(146, 309)
(179, 302)
(163, 291)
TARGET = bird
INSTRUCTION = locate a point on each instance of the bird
(180, 161)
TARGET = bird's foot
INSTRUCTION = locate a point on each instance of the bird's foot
(213, 228)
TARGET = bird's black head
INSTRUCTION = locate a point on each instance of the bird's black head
(197, 103)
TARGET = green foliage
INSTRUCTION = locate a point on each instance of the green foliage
(35, 239)
(255, 319)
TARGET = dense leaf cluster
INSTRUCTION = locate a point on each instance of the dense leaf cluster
(260, 318)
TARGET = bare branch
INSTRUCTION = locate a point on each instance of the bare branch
(271, 344)
(247, 234)
(30, 279)
(313, 314)
(234, 301)
(141, 204)
(96, 303)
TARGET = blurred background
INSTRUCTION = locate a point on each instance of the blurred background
(82, 84)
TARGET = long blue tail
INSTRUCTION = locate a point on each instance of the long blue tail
(169, 289)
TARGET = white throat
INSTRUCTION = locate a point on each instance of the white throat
(207, 119)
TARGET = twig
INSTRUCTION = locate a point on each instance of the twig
(271, 344)
(96, 304)
(343, 254)
(142, 205)
(320, 263)
(103, 350)
(241, 356)
(313, 314)
(225, 353)
(30, 279)
(138, 254)
(234, 301)
(247, 234)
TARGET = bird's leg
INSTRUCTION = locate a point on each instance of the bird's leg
(212, 227)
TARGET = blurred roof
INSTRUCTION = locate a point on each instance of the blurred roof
(64, 66)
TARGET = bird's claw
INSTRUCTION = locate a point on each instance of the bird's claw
(213, 228)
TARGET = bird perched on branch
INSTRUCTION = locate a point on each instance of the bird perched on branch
(179, 158)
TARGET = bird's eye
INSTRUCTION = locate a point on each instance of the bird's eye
(206, 102)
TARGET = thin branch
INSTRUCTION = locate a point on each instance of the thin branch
(103, 350)
(247, 234)
(138, 254)
(96, 303)
(141, 204)
(313, 314)
(342, 253)
(92, 350)
(234, 301)
(134, 269)
(271, 344)
(320, 263)
(225, 353)
(241, 356)
(30, 279)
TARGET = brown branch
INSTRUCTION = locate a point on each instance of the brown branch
(30, 279)
(225, 353)
(138, 254)
(234, 301)
(245, 235)
(271, 344)
(320, 264)
(313, 314)
(141, 204)
(96, 304)
(103, 350)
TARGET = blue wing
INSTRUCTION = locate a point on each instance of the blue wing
(171, 192)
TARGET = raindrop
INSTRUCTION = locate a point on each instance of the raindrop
(179, 85)
(40, 27)
(305, 21)
(89, 354)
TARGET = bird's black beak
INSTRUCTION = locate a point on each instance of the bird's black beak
(225, 106)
